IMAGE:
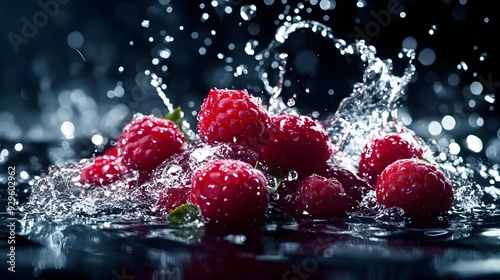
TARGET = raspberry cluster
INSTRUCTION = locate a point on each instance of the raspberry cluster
(246, 160)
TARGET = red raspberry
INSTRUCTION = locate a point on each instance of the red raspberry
(233, 116)
(231, 194)
(354, 186)
(285, 196)
(298, 143)
(103, 171)
(321, 197)
(382, 150)
(111, 151)
(171, 198)
(171, 180)
(416, 186)
(147, 141)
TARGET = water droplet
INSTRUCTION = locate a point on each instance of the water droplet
(247, 12)
(168, 39)
(250, 47)
(240, 70)
(145, 23)
(433, 29)
(292, 175)
(462, 66)
(490, 98)
(483, 57)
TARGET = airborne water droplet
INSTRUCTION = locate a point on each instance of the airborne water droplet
(247, 12)
(250, 47)
(433, 29)
(145, 23)
(483, 56)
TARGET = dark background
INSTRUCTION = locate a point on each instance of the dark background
(53, 77)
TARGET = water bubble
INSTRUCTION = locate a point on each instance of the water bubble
(75, 40)
(448, 122)
(427, 56)
(164, 53)
(248, 12)
(292, 175)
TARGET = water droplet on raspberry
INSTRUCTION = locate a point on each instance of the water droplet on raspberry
(292, 175)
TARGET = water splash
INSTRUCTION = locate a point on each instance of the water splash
(372, 106)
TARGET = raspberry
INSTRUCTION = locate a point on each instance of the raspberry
(285, 195)
(233, 116)
(383, 150)
(416, 186)
(111, 151)
(171, 180)
(298, 143)
(231, 194)
(103, 171)
(354, 186)
(321, 197)
(171, 198)
(147, 141)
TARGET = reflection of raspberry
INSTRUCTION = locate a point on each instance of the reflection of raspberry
(231, 194)
(416, 186)
(147, 141)
(104, 170)
(320, 197)
(233, 116)
(298, 143)
(383, 150)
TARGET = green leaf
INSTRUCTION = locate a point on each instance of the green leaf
(276, 173)
(176, 116)
(184, 214)
(278, 217)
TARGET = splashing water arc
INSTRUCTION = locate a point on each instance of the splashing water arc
(372, 104)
